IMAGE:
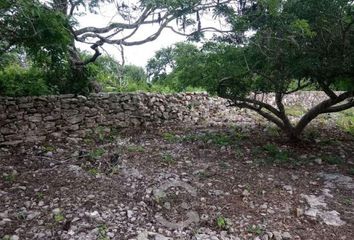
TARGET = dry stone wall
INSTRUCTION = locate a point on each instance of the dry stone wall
(32, 119)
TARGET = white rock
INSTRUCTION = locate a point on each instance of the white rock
(14, 237)
(286, 235)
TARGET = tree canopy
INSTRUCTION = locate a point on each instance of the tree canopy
(49, 30)
(280, 47)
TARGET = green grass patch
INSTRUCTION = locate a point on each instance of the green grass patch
(333, 160)
(346, 121)
(170, 137)
(295, 111)
(135, 149)
(168, 159)
(97, 153)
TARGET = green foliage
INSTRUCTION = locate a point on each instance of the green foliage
(257, 230)
(168, 159)
(102, 232)
(170, 137)
(295, 111)
(346, 121)
(136, 149)
(10, 177)
(221, 223)
(333, 160)
(276, 155)
(30, 24)
(93, 171)
(18, 81)
(59, 217)
(97, 153)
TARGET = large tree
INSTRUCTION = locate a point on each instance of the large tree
(51, 27)
(280, 47)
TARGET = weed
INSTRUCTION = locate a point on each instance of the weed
(346, 121)
(295, 111)
(224, 165)
(351, 171)
(312, 134)
(330, 142)
(97, 153)
(221, 223)
(333, 160)
(88, 140)
(59, 217)
(348, 201)
(218, 139)
(49, 148)
(204, 174)
(170, 137)
(275, 154)
(139, 149)
(93, 171)
(40, 195)
(102, 232)
(21, 216)
(257, 230)
(239, 153)
(101, 133)
(168, 159)
(10, 177)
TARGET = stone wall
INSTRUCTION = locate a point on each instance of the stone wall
(31, 119)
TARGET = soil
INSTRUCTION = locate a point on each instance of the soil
(249, 183)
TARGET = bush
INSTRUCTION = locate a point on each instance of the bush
(18, 81)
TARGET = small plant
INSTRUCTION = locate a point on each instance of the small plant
(101, 133)
(257, 230)
(348, 201)
(139, 149)
(275, 154)
(169, 137)
(39, 195)
(295, 111)
(351, 171)
(204, 174)
(221, 223)
(168, 158)
(239, 153)
(224, 165)
(59, 217)
(333, 160)
(97, 153)
(10, 177)
(218, 139)
(93, 171)
(346, 121)
(102, 232)
(49, 148)
(21, 215)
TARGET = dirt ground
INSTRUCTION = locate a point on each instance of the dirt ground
(208, 181)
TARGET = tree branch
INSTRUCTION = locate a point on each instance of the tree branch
(266, 115)
(321, 108)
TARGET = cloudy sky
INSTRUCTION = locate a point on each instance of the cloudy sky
(137, 55)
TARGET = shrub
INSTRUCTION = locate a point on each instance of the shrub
(18, 81)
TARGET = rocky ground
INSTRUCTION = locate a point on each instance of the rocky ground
(224, 180)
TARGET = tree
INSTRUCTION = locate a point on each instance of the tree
(297, 43)
(294, 45)
(49, 29)
(167, 65)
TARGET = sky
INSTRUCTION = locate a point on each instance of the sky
(137, 55)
